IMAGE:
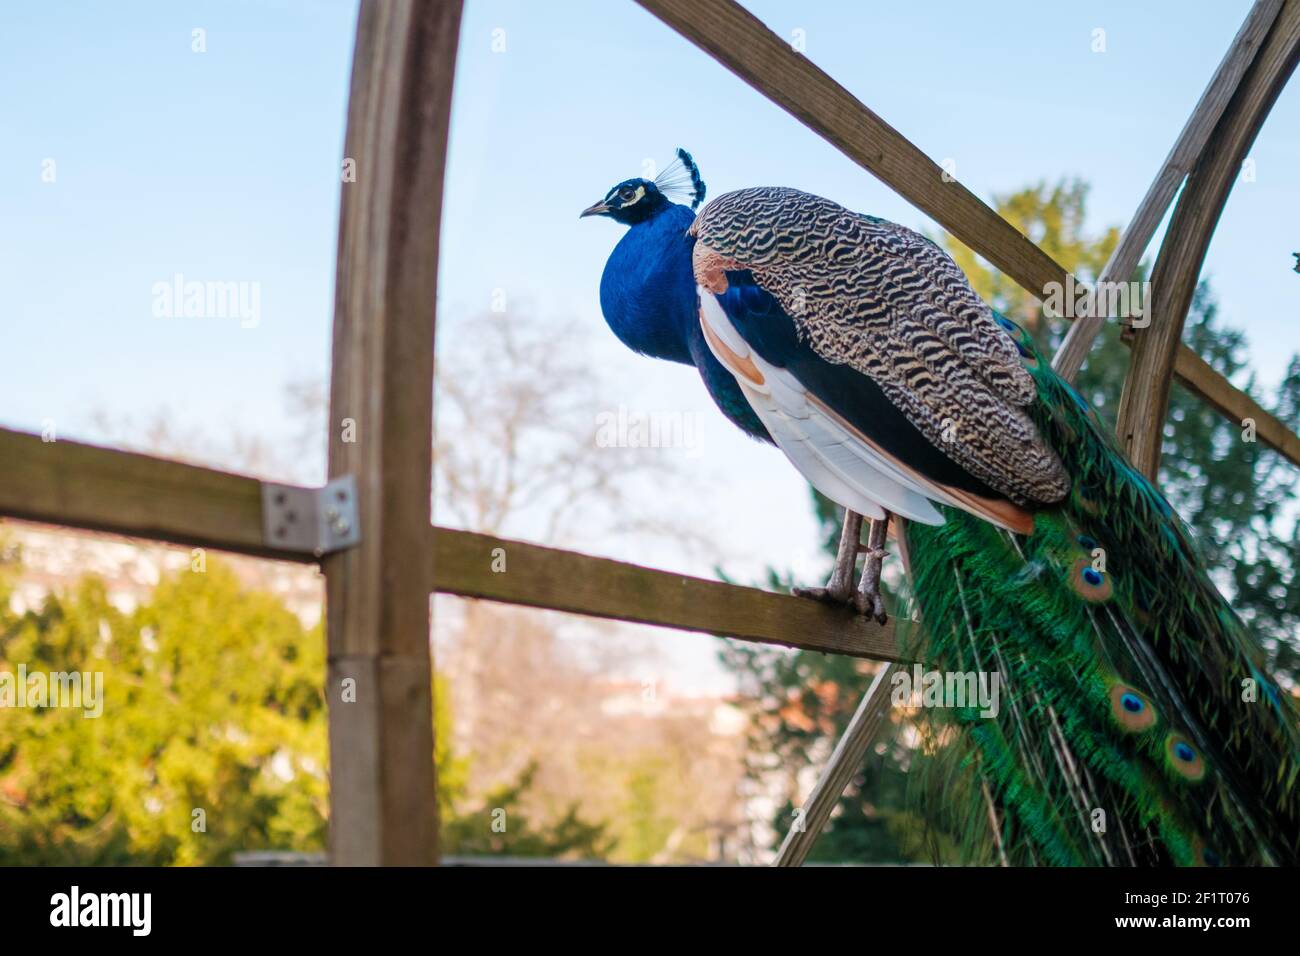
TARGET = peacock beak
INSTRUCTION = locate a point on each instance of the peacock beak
(599, 209)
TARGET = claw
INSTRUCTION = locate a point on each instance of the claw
(825, 595)
(865, 598)
(871, 605)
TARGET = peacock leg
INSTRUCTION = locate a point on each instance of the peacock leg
(839, 589)
(868, 600)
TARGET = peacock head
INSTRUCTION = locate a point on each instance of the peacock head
(636, 200)
(630, 202)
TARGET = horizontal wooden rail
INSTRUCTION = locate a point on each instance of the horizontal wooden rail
(1221, 396)
(103, 489)
(743, 44)
(599, 587)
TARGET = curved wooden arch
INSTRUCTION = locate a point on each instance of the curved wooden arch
(382, 784)
(1078, 342)
(1144, 404)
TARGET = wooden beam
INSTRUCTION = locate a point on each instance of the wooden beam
(743, 44)
(1219, 394)
(103, 489)
(470, 565)
(382, 787)
(844, 763)
(1191, 141)
(740, 42)
(1144, 403)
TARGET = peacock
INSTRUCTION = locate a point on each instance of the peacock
(1137, 725)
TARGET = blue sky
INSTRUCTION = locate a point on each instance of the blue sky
(224, 166)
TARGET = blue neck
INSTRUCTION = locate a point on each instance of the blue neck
(648, 296)
(647, 291)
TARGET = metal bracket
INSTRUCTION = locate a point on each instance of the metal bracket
(311, 520)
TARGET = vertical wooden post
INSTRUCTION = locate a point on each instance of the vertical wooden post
(382, 786)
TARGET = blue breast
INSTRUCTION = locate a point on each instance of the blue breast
(648, 297)
(648, 289)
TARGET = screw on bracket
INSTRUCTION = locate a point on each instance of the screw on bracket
(311, 520)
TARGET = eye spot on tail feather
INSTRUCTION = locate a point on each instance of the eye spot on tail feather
(1184, 758)
(1089, 583)
(1131, 709)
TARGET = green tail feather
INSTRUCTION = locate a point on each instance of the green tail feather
(1136, 724)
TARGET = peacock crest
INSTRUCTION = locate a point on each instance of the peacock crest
(681, 178)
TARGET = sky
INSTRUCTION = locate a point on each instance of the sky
(127, 159)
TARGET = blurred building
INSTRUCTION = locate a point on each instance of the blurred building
(54, 559)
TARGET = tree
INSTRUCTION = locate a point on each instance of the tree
(516, 452)
(1054, 218)
(211, 737)
(495, 829)
(1237, 495)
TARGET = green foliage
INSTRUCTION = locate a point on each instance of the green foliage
(1053, 217)
(212, 701)
(1239, 496)
(452, 769)
(648, 826)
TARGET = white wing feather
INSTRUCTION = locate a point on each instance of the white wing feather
(833, 459)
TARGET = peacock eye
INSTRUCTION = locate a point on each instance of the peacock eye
(627, 194)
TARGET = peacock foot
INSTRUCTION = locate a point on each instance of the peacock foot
(867, 598)
(839, 589)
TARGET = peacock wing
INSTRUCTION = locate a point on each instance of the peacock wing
(891, 305)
